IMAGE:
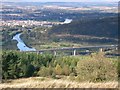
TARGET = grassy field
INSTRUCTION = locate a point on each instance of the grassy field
(42, 82)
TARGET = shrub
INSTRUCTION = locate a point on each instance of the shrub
(58, 69)
(96, 68)
(72, 76)
(53, 75)
(66, 70)
(45, 71)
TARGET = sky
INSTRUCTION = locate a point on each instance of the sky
(59, 0)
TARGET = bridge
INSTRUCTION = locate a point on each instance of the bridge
(75, 49)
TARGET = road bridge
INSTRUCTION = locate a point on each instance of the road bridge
(75, 49)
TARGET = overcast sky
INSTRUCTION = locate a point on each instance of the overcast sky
(59, 0)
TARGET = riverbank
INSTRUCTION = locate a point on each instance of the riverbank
(42, 82)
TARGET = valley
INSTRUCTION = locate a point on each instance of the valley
(59, 45)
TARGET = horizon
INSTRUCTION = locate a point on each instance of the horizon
(60, 1)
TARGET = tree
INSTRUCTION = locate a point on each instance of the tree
(10, 65)
(29, 70)
(45, 71)
(96, 68)
(58, 69)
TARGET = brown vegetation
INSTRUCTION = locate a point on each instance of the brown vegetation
(40, 82)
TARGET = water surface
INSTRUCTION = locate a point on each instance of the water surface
(21, 45)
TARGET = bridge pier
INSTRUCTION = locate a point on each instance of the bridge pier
(38, 52)
(74, 52)
(41, 52)
(55, 53)
(101, 50)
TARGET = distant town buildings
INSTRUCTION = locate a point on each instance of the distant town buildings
(26, 23)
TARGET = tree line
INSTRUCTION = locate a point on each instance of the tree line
(93, 68)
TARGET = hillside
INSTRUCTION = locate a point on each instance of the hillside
(77, 33)
(102, 27)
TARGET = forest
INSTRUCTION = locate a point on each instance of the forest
(100, 27)
(92, 68)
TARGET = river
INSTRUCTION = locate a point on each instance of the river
(67, 21)
(21, 45)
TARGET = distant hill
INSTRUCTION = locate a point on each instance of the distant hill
(102, 27)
